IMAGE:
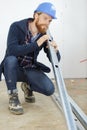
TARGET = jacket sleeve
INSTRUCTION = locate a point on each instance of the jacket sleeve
(47, 51)
(13, 46)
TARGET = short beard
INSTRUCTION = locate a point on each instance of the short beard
(40, 28)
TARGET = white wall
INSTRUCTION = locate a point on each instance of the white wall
(69, 31)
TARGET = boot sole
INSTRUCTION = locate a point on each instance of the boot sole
(30, 100)
(15, 111)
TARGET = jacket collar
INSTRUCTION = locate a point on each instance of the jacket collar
(23, 24)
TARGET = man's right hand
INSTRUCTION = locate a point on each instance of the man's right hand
(42, 39)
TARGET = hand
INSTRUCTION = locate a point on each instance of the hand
(52, 43)
(42, 39)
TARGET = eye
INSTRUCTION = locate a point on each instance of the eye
(45, 18)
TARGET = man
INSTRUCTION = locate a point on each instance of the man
(25, 40)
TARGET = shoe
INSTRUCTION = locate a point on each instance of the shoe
(28, 94)
(15, 105)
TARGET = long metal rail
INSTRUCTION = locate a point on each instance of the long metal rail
(62, 89)
(78, 120)
(79, 116)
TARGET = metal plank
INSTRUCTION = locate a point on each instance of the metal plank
(56, 99)
(78, 113)
(61, 87)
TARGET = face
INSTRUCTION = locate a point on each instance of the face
(42, 22)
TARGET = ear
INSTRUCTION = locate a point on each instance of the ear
(36, 15)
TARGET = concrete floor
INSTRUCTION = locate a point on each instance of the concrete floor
(77, 89)
(43, 114)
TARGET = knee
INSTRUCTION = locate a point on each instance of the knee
(50, 90)
(10, 61)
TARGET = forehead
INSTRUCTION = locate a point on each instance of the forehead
(45, 16)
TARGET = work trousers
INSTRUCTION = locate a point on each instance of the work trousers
(37, 79)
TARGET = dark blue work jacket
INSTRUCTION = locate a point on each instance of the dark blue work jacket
(15, 45)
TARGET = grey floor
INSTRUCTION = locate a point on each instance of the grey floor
(43, 114)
